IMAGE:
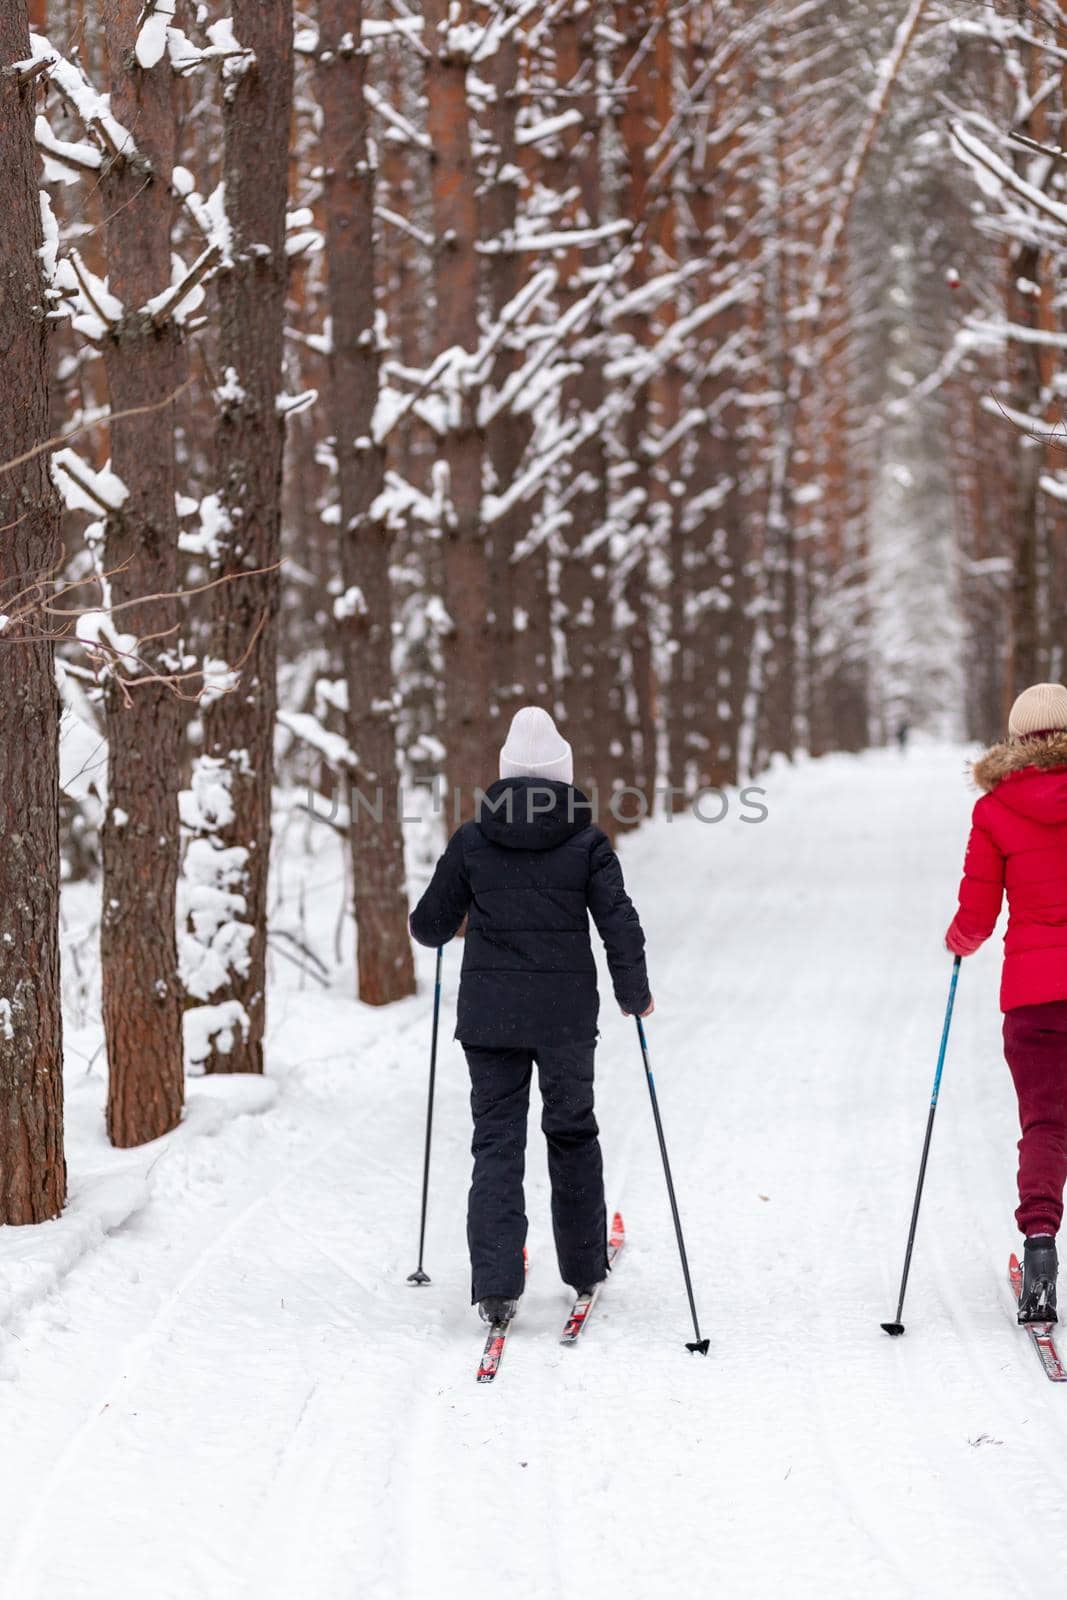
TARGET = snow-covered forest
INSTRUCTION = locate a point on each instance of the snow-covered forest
(373, 368)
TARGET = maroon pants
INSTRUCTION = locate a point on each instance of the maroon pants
(1035, 1044)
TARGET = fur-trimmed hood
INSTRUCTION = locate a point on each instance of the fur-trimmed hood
(1047, 753)
(1029, 775)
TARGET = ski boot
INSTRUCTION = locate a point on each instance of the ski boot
(1037, 1303)
(497, 1308)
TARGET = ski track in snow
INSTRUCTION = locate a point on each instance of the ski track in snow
(226, 1388)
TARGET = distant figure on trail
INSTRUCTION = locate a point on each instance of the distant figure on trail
(529, 871)
(903, 735)
(1019, 843)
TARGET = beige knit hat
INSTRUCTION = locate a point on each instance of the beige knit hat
(535, 748)
(1039, 709)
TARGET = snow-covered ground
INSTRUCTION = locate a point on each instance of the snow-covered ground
(215, 1382)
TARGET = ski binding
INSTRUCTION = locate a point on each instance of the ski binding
(1042, 1334)
(584, 1304)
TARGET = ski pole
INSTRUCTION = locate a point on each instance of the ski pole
(897, 1327)
(420, 1277)
(698, 1344)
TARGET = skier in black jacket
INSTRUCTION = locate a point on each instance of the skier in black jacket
(527, 873)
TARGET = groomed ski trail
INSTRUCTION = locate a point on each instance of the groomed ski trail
(235, 1395)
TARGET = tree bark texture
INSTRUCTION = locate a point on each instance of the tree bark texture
(32, 1170)
(145, 363)
(365, 614)
(239, 726)
(470, 732)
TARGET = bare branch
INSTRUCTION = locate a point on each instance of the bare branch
(60, 439)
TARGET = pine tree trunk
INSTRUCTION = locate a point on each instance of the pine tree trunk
(520, 580)
(1028, 398)
(470, 732)
(668, 239)
(145, 365)
(405, 273)
(717, 535)
(365, 613)
(638, 24)
(32, 1171)
(239, 726)
(786, 290)
(585, 572)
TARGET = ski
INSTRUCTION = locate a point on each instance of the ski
(497, 1337)
(493, 1352)
(584, 1304)
(1041, 1333)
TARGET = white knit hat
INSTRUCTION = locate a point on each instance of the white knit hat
(535, 748)
(1039, 709)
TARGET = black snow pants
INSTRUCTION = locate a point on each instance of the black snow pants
(496, 1214)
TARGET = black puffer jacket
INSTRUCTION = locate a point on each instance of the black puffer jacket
(529, 871)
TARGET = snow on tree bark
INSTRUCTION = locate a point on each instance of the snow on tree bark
(520, 579)
(145, 361)
(1029, 306)
(585, 571)
(717, 538)
(638, 25)
(364, 612)
(470, 730)
(232, 790)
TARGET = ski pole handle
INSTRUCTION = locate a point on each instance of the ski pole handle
(944, 1031)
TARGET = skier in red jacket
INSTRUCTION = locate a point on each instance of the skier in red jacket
(1018, 843)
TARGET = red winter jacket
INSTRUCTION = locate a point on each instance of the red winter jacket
(1019, 843)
